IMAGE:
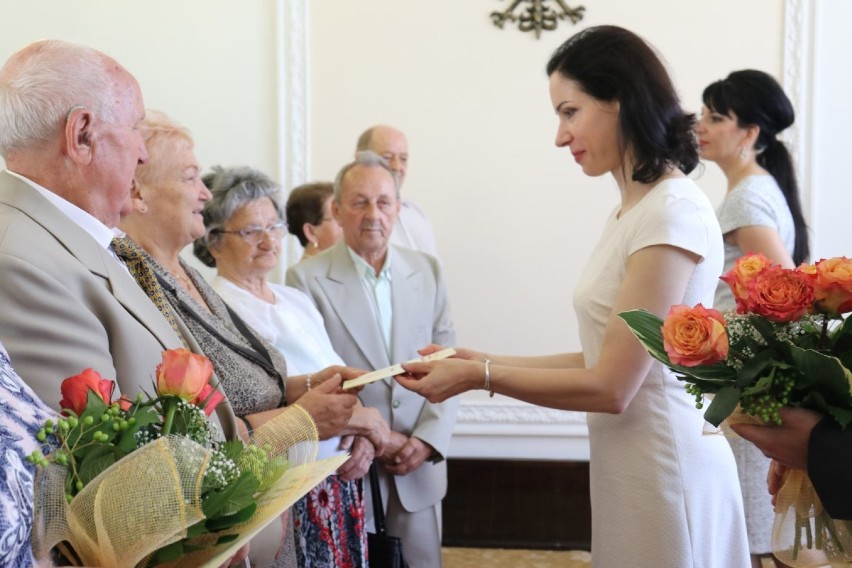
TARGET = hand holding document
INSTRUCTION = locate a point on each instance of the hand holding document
(395, 369)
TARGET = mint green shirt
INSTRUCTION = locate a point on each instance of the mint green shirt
(378, 288)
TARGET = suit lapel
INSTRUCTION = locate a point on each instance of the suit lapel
(88, 252)
(346, 292)
(406, 285)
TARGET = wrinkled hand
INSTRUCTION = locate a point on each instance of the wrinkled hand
(436, 381)
(330, 408)
(368, 422)
(410, 456)
(361, 456)
(347, 373)
(787, 444)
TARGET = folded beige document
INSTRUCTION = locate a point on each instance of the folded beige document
(395, 369)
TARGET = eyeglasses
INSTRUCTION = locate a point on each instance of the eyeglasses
(254, 235)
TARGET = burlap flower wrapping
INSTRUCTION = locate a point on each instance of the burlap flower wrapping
(151, 497)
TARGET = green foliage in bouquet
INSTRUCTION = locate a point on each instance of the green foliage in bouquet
(767, 365)
(94, 433)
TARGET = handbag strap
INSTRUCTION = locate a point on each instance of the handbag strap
(378, 508)
(258, 354)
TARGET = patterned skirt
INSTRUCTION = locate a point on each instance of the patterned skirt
(329, 525)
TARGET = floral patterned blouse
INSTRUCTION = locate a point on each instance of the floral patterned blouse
(22, 413)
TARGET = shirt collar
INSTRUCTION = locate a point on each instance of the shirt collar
(100, 232)
(367, 271)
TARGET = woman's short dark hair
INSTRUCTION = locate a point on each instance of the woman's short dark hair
(757, 99)
(231, 189)
(613, 64)
(306, 204)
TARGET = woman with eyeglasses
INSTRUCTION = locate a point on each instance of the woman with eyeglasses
(243, 241)
(310, 219)
(167, 199)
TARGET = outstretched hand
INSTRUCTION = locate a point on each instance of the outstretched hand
(436, 381)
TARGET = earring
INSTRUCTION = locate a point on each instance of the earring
(316, 244)
(143, 207)
(743, 153)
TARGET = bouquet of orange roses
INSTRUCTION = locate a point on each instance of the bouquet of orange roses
(788, 343)
(151, 482)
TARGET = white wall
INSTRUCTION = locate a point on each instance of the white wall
(210, 64)
(515, 217)
(831, 122)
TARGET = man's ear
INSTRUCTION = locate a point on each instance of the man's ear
(79, 137)
(335, 210)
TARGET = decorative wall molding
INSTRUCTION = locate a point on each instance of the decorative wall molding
(471, 413)
(293, 107)
(797, 82)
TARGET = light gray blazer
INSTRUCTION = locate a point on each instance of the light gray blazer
(420, 317)
(66, 304)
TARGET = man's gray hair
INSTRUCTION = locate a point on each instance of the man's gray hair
(231, 189)
(42, 83)
(366, 158)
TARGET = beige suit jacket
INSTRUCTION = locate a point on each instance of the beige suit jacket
(67, 304)
(420, 317)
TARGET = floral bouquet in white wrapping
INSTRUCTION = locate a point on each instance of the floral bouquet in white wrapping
(788, 343)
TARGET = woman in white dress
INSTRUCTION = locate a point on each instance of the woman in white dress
(761, 213)
(663, 494)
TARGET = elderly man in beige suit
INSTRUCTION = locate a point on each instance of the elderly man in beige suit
(380, 304)
(68, 118)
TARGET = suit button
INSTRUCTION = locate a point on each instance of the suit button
(396, 404)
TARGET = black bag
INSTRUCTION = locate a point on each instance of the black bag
(383, 550)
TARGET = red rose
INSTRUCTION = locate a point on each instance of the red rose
(781, 295)
(833, 285)
(695, 336)
(215, 398)
(75, 390)
(183, 374)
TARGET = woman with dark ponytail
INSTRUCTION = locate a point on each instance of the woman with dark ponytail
(741, 119)
(663, 494)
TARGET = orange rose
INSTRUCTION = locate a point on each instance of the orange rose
(833, 285)
(695, 336)
(780, 294)
(75, 390)
(183, 374)
(744, 270)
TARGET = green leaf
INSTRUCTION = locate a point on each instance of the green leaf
(238, 494)
(722, 405)
(825, 376)
(232, 449)
(223, 522)
(168, 553)
(97, 459)
(753, 368)
(144, 417)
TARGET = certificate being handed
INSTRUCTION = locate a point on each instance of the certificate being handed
(395, 369)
